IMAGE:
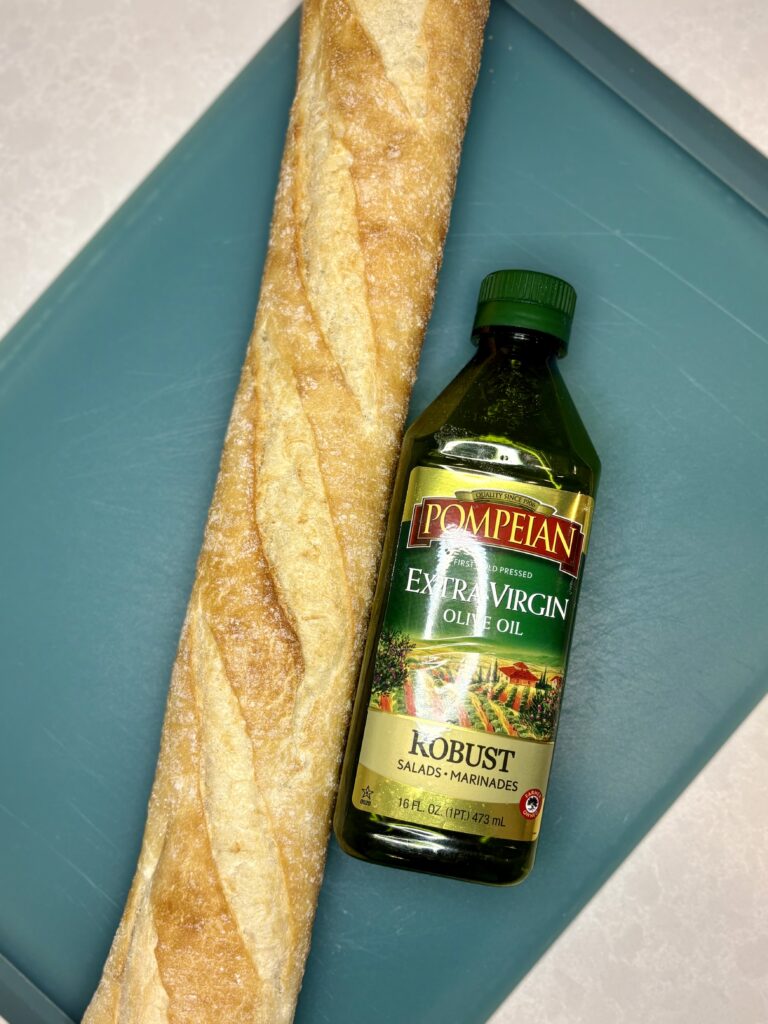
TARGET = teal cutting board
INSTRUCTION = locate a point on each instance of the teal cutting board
(114, 396)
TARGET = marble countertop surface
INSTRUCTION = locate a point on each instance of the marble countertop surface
(92, 94)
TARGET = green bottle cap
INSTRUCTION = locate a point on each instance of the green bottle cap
(525, 298)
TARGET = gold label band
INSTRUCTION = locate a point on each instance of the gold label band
(451, 777)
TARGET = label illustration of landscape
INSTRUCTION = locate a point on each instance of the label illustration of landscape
(470, 661)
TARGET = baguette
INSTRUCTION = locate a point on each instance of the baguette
(217, 923)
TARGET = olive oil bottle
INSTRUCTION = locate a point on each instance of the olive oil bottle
(454, 725)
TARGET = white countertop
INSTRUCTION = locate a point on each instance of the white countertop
(92, 94)
(715, 49)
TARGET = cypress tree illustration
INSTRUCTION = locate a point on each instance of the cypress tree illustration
(391, 668)
(540, 715)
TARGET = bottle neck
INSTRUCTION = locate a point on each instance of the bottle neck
(519, 344)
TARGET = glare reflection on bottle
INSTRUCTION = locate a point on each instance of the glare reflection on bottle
(457, 543)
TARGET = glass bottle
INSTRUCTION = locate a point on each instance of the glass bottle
(454, 723)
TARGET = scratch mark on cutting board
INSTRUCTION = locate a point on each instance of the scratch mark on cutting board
(14, 817)
(605, 233)
(113, 506)
(86, 877)
(630, 316)
(694, 288)
(691, 380)
(721, 405)
(628, 240)
(200, 379)
(93, 825)
(70, 756)
(57, 853)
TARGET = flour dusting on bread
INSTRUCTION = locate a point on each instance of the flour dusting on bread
(217, 924)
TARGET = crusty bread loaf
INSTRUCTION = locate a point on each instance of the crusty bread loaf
(217, 924)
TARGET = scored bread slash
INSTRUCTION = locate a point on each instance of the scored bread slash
(217, 923)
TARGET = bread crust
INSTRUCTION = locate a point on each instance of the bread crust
(217, 922)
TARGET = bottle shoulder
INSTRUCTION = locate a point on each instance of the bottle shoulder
(514, 421)
(544, 469)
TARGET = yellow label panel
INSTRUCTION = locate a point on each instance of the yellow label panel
(450, 777)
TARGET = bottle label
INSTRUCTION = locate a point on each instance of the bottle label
(470, 659)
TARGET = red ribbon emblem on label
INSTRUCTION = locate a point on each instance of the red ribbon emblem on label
(500, 526)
